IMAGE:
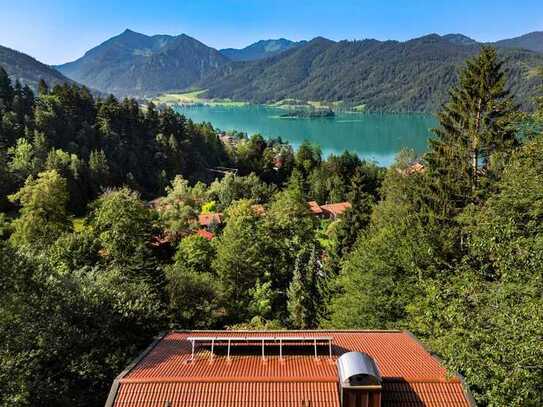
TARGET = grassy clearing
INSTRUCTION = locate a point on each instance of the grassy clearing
(534, 71)
(359, 108)
(194, 98)
(291, 104)
(197, 98)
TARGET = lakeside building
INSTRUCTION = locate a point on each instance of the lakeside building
(287, 369)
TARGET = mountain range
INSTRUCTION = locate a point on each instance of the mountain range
(414, 75)
(411, 75)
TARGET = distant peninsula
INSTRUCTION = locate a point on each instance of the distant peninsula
(308, 114)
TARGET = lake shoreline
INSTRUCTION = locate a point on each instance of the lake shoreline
(373, 136)
(195, 99)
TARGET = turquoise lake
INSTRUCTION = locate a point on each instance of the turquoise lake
(373, 136)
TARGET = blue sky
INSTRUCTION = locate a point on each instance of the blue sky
(57, 31)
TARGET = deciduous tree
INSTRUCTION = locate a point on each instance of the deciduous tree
(43, 215)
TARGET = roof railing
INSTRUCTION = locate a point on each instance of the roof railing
(228, 341)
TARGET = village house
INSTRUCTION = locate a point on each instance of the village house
(206, 234)
(331, 211)
(334, 210)
(210, 219)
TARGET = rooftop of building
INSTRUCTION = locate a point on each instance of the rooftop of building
(169, 373)
(210, 218)
(335, 209)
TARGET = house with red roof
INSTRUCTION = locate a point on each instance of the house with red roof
(336, 209)
(314, 208)
(332, 210)
(287, 369)
(210, 219)
(259, 209)
(206, 234)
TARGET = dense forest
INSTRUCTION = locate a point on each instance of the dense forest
(92, 267)
(410, 76)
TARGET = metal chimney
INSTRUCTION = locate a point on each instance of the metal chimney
(359, 380)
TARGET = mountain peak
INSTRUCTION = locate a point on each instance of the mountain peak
(259, 50)
(157, 62)
(320, 38)
(459, 39)
(130, 32)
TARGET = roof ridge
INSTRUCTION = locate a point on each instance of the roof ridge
(233, 379)
(279, 379)
(422, 380)
(290, 330)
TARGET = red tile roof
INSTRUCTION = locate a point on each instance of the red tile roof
(411, 376)
(258, 209)
(335, 209)
(205, 234)
(314, 207)
(208, 219)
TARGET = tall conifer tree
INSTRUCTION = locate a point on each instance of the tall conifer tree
(475, 124)
(6, 90)
(357, 217)
(303, 292)
(43, 89)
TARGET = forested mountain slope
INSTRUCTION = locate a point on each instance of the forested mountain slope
(260, 50)
(28, 70)
(139, 65)
(532, 41)
(387, 76)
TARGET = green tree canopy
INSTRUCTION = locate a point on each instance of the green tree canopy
(485, 319)
(476, 125)
(303, 292)
(195, 253)
(193, 297)
(123, 226)
(43, 215)
(70, 356)
(241, 258)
